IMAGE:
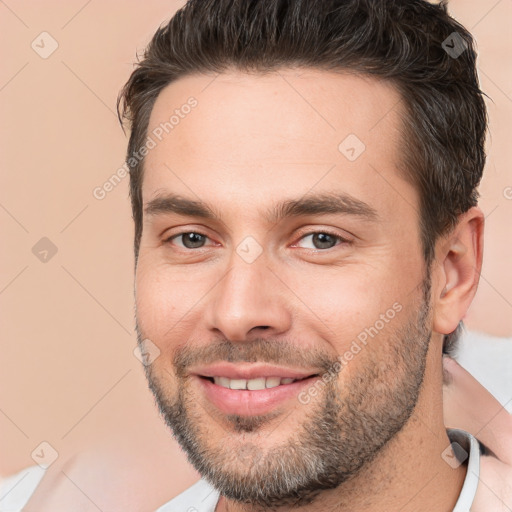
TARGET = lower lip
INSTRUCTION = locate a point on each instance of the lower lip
(249, 403)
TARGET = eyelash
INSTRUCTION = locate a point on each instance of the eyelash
(342, 241)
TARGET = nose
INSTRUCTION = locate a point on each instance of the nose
(248, 300)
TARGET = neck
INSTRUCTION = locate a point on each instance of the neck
(408, 474)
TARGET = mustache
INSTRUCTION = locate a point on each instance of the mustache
(282, 352)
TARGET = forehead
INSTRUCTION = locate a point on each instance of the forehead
(259, 136)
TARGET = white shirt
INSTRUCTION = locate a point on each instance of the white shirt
(202, 497)
(16, 490)
(486, 357)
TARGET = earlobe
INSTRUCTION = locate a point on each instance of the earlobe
(459, 256)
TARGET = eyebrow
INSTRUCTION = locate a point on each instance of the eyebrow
(312, 204)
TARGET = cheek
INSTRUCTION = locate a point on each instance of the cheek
(347, 301)
(156, 303)
(168, 302)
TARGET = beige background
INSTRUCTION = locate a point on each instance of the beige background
(67, 369)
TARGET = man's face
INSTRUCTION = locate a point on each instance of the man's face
(278, 284)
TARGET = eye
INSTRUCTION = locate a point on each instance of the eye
(322, 240)
(189, 239)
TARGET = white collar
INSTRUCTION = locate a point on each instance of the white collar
(467, 445)
(202, 497)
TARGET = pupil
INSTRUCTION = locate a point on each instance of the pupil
(323, 240)
(193, 240)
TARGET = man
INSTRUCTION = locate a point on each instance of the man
(307, 241)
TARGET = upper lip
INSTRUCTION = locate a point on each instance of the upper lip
(250, 371)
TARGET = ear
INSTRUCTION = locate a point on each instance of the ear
(459, 262)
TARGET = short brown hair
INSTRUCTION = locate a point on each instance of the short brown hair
(427, 55)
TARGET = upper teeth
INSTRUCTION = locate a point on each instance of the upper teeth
(252, 384)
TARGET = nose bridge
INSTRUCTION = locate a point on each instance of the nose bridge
(248, 297)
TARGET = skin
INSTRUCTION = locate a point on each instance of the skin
(254, 141)
(467, 405)
(471, 407)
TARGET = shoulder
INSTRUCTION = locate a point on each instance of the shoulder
(16, 490)
(200, 497)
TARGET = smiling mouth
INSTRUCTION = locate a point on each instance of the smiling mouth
(255, 384)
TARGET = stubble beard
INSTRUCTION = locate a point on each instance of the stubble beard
(339, 433)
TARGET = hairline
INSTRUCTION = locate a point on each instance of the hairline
(405, 121)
